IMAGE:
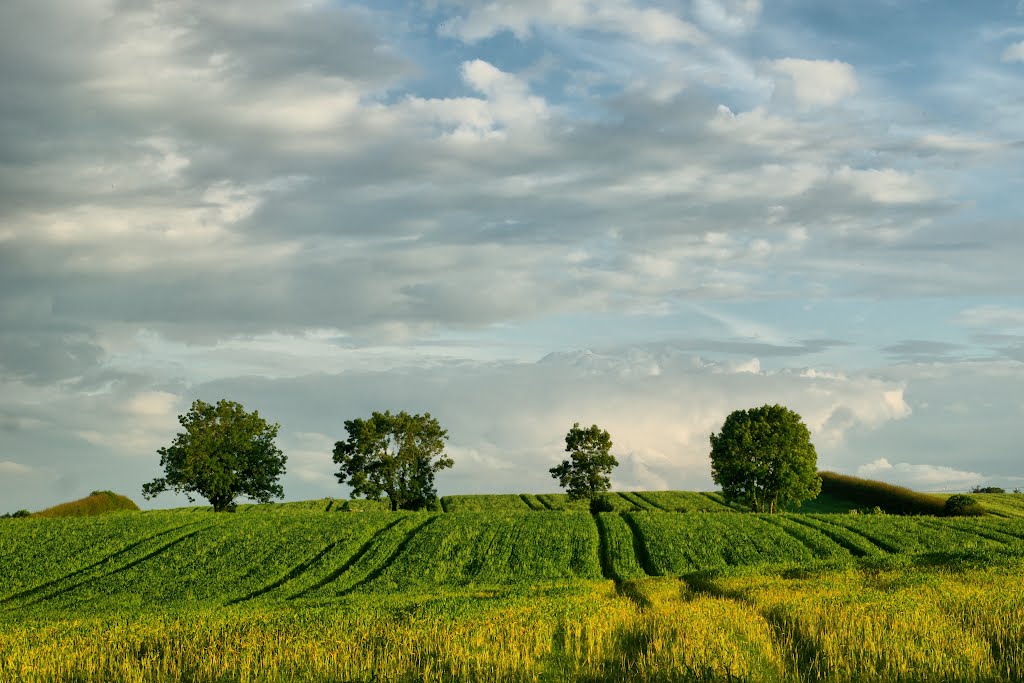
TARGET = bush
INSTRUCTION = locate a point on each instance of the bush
(95, 503)
(895, 500)
(961, 505)
(987, 489)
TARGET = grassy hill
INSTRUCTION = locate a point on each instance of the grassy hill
(312, 551)
(96, 503)
(670, 586)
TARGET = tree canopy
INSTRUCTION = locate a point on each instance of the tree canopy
(586, 474)
(223, 453)
(396, 455)
(764, 459)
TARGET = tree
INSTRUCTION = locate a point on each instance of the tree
(764, 459)
(396, 455)
(587, 472)
(223, 453)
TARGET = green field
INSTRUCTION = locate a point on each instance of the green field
(670, 586)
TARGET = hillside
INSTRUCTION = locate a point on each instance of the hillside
(96, 503)
(496, 589)
(302, 552)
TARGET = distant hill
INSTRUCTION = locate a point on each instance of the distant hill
(96, 503)
(868, 494)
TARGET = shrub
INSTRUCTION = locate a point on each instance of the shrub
(895, 500)
(987, 489)
(95, 503)
(961, 505)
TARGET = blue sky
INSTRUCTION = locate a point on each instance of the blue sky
(516, 216)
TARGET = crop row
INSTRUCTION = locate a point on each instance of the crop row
(126, 559)
(913, 623)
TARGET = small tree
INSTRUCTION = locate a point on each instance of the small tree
(587, 472)
(396, 455)
(764, 459)
(223, 453)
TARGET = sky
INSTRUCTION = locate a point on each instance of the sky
(514, 215)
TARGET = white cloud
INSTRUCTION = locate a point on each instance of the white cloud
(886, 185)
(507, 421)
(1014, 53)
(14, 469)
(815, 82)
(728, 16)
(521, 17)
(992, 316)
(920, 476)
(153, 404)
(956, 143)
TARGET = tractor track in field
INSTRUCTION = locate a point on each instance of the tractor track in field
(853, 548)
(640, 549)
(123, 568)
(989, 534)
(95, 565)
(543, 501)
(644, 496)
(884, 545)
(526, 499)
(379, 569)
(817, 552)
(296, 571)
(360, 553)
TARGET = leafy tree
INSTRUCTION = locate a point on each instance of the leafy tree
(587, 472)
(396, 455)
(223, 453)
(764, 459)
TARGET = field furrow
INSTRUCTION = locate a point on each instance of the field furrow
(620, 548)
(855, 543)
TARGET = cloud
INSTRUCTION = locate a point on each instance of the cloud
(956, 143)
(1014, 53)
(920, 476)
(728, 16)
(992, 316)
(14, 469)
(815, 82)
(522, 17)
(507, 420)
(886, 185)
(923, 351)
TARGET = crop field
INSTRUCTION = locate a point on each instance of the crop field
(670, 586)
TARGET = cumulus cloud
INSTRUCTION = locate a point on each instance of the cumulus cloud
(196, 193)
(920, 476)
(728, 16)
(522, 17)
(1014, 53)
(507, 421)
(815, 82)
(886, 185)
(992, 317)
(14, 469)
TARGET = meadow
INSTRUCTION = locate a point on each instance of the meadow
(670, 586)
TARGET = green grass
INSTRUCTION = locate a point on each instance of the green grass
(997, 504)
(480, 503)
(498, 589)
(96, 503)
